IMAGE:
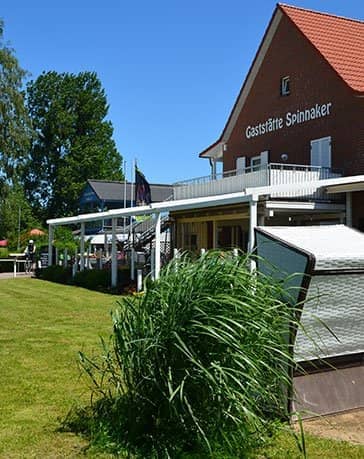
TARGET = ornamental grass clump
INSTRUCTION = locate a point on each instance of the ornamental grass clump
(199, 362)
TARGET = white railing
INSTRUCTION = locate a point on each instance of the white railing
(271, 174)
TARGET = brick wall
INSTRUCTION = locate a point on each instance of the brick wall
(312, 81)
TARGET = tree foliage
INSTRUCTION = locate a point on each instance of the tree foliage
(64, 239)
(15, 131)
(73, 143)
(15, 213)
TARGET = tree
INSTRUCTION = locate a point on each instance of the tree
(74, 141)
(15, 131)
(15, 213)
(15, 137)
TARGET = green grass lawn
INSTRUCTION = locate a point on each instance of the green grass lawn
(284, 447)
(43, 326)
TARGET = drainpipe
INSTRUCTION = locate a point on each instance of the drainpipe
(50, 242)
(114, 265)
(157, 257)
(213, 168)
(253, 220)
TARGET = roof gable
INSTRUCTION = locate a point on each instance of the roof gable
(114, 191)
(88, 195)
(108, 190)
(339, 40)
(346, 57)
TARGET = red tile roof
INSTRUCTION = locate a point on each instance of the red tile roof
(339, 40)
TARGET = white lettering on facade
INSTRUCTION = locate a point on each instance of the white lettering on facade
(290, 119)
(272, 124)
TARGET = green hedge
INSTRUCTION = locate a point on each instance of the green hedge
(124, 277)
(55, 274)
(92, 279)
(6, 266)
(96, 279)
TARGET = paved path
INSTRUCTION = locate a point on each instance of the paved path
(347, 426)
(11, 275)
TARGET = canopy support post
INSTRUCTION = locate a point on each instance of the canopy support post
(114, 262)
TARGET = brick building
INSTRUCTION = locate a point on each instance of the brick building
(299, 117)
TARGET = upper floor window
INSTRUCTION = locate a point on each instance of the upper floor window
(240, 164)
(285, 86)
(321, 152)
(257, 162)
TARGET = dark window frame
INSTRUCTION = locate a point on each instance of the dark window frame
(285, 87)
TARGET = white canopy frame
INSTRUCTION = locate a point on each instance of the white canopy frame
(155, 209)
(249, 195)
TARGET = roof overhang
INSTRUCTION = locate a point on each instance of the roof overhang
(249, 194)
(165, 206)
(215, 151)
(346, 184)
(304, 206)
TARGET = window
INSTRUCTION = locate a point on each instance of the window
(264, 157)
(255, 162)
(240, 165)
(230, 235)
(190, 235)
(321, 152)
(285, 86)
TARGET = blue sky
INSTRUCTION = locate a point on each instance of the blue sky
(171, 69)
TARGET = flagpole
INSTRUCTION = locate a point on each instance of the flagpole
(124, 218)
(132, 173)
(132, 266)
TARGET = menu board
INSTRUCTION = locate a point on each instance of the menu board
(43, 258)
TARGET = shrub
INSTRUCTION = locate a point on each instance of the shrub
(124, 276)
(55, 274)
(6, 267)
(93, 279)
(201, 359)
(96, 279)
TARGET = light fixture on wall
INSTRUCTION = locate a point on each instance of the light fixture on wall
(284, 156)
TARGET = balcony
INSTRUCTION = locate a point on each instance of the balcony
(258, 176)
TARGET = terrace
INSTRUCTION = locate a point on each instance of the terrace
(258, 176)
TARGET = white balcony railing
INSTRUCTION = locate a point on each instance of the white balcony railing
(250, 177)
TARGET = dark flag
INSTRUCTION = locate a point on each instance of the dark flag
(142, 189)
